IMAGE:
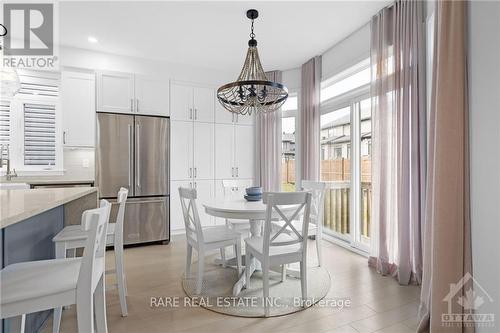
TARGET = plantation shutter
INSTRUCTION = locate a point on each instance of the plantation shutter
(39, 134)
(4, 126)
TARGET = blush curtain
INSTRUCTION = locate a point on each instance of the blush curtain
(447, 241)
(399, 140)
(268, 145)
(310, 119)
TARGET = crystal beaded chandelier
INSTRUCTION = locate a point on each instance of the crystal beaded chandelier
(252, 90)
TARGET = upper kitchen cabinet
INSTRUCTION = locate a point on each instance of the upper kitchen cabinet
(223, 116)
(151, 96)
(78, 108)
(115, 92)
(132, 93)
(191, 103)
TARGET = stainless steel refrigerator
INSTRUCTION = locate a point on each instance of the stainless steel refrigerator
(133, 152)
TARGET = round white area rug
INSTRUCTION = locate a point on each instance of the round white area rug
(284, 297)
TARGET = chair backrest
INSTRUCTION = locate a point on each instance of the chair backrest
(276, 203)
(120, 217)
(192, 222)
(317, 190)
(96, 220)
(234, 187)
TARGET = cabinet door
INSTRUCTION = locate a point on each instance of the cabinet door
(244, 151)
(78, 108)
(151, 96)
(245, 119)
(181, 148)
(204, 104)
(205, 192)
(181, 102)
(203, 151)
(224, 151)
(223, 116)
(115, 92)
(176, 216)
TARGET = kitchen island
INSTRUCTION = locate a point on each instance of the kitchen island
(30, 218)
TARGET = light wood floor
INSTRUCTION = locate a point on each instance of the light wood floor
(378, 304)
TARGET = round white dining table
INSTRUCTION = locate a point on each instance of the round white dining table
(240, 209)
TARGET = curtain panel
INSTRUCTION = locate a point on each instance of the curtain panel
(447, 275)
(310, 119)
(268, 145)
(399, 140)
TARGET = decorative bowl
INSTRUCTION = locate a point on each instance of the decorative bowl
(254, 191)
(253, 197)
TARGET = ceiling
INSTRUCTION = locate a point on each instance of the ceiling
(213, 34)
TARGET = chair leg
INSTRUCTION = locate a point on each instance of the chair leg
(100, 306)
(85, 311)
(237, 250)
(319, 249)
(120, 277)
(17, 324)
(248, 260)
(283, 273)
(265, 283)
(303, 280)
(56, 321)
(188, 261)
(223, 256)
(201, 267)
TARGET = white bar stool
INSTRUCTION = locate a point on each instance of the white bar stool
(74, 236)
(42, 285)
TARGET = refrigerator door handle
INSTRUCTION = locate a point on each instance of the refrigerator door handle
(137, 155)
(129, 156)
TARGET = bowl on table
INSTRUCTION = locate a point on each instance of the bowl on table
(253, 194)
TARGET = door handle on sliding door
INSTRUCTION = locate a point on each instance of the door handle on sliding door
(137, 155)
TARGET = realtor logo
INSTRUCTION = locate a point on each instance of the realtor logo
(30, 40)
(470, 302)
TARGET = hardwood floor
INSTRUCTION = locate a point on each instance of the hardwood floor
(378, 303)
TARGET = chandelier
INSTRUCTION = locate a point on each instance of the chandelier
(252, 90)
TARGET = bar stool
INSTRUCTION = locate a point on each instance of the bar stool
(74, 236)
(42, 285)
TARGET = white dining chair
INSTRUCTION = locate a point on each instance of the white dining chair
(275, 248)
(206, 239)
(75, 236)
(316, 218)
(45, 284)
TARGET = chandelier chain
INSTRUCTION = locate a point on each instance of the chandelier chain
(252, 35)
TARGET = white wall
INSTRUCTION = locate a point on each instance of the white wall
(86, 59)
(484, 93)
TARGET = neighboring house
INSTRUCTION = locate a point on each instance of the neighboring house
(336, 138)
(288, 146)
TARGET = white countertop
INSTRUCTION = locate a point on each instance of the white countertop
(46, 180)
(19, 205)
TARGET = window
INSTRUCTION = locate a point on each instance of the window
(37, 144)
(39, 134)
(288, 154)
(4, 127)
(346, 154)
(291, 103)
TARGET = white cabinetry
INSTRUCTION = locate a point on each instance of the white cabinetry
(234, 154)
(192, 103)
(78, 108)
(223, 116)
(131, 93)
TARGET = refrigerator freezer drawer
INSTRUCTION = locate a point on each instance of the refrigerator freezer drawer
(146, 220)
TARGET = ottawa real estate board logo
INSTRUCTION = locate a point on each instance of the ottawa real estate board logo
(474, 298)
(29, 35)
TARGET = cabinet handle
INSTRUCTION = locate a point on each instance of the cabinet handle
(232, 171)
(137, 155)
(131, 105)
(195, 113)
(190, 113)
(237, 171)
(190, 172)
(195, 185)
(195, 172)
(64, 137)
(129, 155)
(137, 105)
